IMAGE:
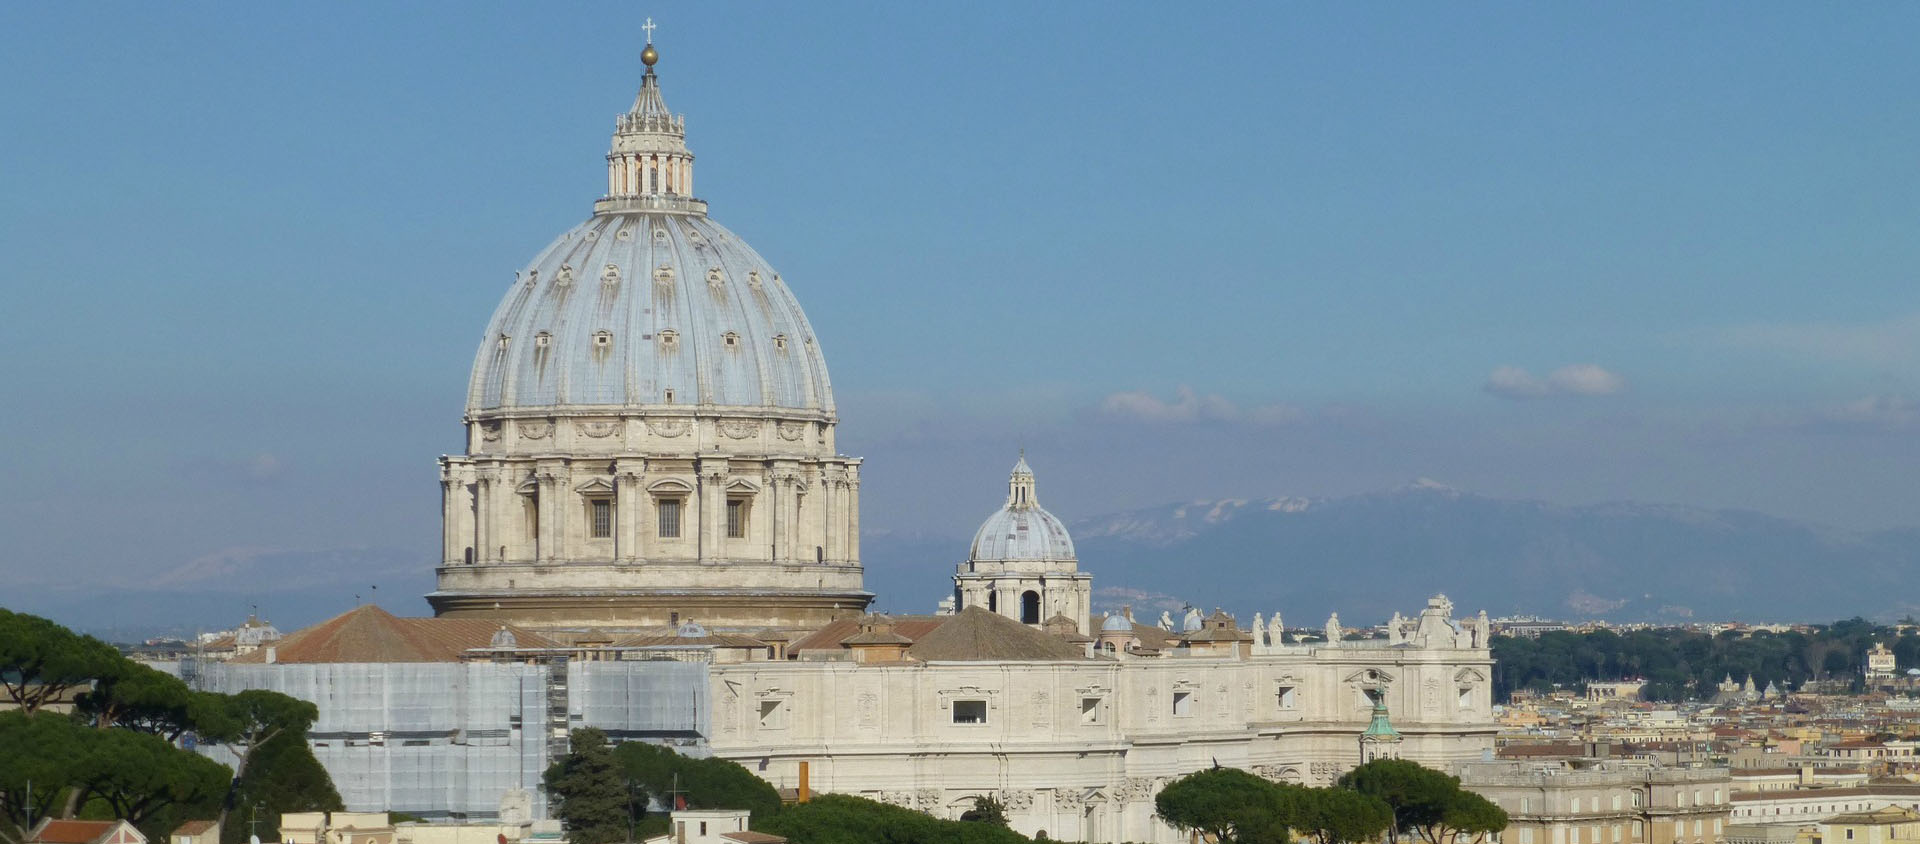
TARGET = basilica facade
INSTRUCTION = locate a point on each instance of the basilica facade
(652, 531)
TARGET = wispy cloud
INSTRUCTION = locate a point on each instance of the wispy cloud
(1881, 413)
(1580, 379)
(258, 468)
(1885, 342)
(1190, 406)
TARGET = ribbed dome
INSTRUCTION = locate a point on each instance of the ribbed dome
(633, 309)
(1116, 623)
(1022, 530)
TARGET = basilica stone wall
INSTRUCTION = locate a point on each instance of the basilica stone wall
(1079, 748)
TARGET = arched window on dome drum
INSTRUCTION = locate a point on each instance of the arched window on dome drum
(993, 602)
(1030, 607)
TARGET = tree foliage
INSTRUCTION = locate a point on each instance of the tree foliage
(283, 777)
(1335, 815)
(1228, 805)
(141, 778)
(1680, 664)
(1424, 802)
(120, 755)
(704, 783)
(42, 662)
(986, 810)
(845, 819)
(589, 791)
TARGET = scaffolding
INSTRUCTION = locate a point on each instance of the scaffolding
(450, 740)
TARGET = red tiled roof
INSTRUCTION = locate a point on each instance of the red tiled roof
(828, 638)
(371, 634)
(72, 832)
(751, 837)
(193, 827)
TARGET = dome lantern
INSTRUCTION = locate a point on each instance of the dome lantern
(649, 166)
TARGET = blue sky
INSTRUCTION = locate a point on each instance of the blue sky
(1661, 252)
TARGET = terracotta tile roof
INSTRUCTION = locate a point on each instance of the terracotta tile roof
(711, 640)
(751, 837)
(371, 634)
(72, 832)
(194, 828)
(828, 638)
(978, 635)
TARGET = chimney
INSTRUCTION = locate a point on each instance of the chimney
(804, 792)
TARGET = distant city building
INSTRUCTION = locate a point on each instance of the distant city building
(1594, 801)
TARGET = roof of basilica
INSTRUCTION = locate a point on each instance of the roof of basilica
(972, 635)
(649, 303)
(370, 634)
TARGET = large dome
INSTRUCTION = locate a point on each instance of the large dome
(650, 429)
(632, 309)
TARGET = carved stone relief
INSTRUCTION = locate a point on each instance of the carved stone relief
(668, 428)
(535, 429)
(740, 429)
(792, 430)
(597, 428)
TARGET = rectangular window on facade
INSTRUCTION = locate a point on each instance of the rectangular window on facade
(1090, 710)
(1183, 703)
(1526, 835)
(736, 519)
(969, 712)
(1576, 806)
(669, 518)
(1288, 698)
(602, 518)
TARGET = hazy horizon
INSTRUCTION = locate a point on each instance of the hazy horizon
(1577, 255)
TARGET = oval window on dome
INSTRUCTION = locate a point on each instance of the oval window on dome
(780, 342)
(715, 276)
(731, 339)
(602, 339)
(542, 339)
(669, 338)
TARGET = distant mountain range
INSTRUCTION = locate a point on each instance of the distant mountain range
(1366, 556)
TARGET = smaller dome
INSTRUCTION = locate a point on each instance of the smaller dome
(1116, 623)
(1021, 529)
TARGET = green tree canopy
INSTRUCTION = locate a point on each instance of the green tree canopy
(1335, 815)
(1425, 802)
(589, 790)
(77, 769)
(283, 777)
(986, 810)
(41, 662)
(845, 819)
(1227, 804)
(705, 783)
